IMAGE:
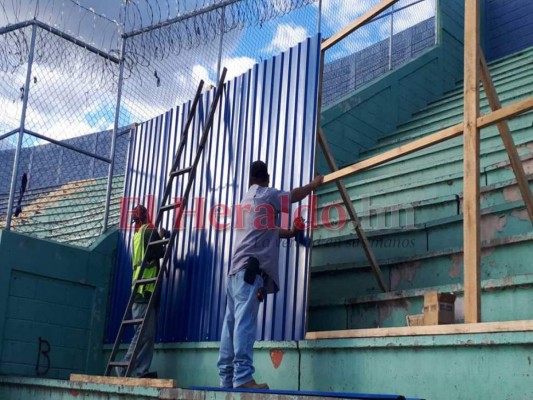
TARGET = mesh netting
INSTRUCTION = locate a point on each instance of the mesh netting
(67, 105)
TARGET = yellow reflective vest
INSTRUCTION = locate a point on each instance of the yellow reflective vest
(140, 241)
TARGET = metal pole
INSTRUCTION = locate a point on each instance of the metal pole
(21, 130)
(319, 23)
(437, 21)
(391, 34)
(115, 134)
(222, 25)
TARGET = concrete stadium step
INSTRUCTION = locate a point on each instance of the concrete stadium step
(512, 83)
(499, 69)
(497, 222)
(376, 217)
(516, 88)
(504, 82)
(72, 213)
(488, 137)
(439, 121)
(415, 186)
(415, 181)
(411, 277)
(440, 154)
(15, 387)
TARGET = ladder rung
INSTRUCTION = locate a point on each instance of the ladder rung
(181, 172)
(132, 321)
(145, 281)
(156, 242)
(170, 207)
(118, 364)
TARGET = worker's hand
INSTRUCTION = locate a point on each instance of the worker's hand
(162, 233)
(298, 225)
(317, 181)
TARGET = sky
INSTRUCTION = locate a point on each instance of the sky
(66, 107)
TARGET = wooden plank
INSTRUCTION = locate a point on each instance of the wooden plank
(507, 138)
(400, 151)
(471, 206)
(365, 18)
(455, 329)
(506, 112)
(113, 380)
(351, 212)
(509, 111)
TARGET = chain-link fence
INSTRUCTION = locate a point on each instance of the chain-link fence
(391, 39)
(65, 65)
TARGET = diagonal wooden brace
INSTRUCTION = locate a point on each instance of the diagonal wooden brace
(351, 211)
(507, 138)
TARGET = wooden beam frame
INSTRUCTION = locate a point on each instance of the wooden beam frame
(471, 205)
(365, 18)
(429, 330)
(507, 138)
(475, 67)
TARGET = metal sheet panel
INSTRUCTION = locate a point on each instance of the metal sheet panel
(269, 113)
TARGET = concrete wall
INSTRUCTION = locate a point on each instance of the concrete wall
(458, 367)
(507, 26)
(52, 305)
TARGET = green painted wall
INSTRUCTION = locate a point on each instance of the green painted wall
(55, 292)
(458, 367)
(355, 123)
(475, 366)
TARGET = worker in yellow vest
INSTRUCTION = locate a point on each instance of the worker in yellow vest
(145, 232)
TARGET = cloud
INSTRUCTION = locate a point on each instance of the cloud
(410, 16)
(237, 66)
(336, 14)
(286, 36)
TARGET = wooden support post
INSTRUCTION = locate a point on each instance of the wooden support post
(505, 133)
(357, 23)
(471, 209)
(351, 211)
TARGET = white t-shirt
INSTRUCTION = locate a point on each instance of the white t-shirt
(256, 231)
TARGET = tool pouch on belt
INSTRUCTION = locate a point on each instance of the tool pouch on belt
(251, 270)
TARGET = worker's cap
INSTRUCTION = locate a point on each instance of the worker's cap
(259, 171)
(139, 213)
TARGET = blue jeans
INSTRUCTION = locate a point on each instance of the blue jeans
(235, 361)
(146, 342)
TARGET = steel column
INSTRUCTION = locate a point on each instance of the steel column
(21, 130)
(115, 134)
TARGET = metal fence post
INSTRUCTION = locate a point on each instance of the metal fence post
(391, 34)
(114, 136)
(21, 130)
(222, 27)
(319, 22)
(437, 21)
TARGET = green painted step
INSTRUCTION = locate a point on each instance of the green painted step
(505, 265)
(505, 220)
(76, 218)
(386, 188)
(418, 213)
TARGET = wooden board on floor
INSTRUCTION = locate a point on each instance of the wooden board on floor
(113, 380)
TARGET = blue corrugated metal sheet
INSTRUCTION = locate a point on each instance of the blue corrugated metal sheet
(268, 113)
